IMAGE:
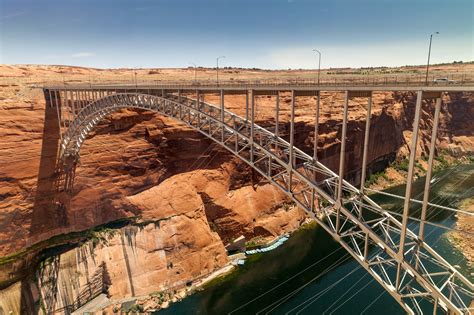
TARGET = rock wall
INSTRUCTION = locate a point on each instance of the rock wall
(132, 261)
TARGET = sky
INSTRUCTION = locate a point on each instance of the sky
(269, 34)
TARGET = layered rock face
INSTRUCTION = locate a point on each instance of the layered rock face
(188, 195)
(133, 261)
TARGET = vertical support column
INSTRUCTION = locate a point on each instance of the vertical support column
(411, 165)
(179, 101)
(86, 94)
(292, 141)
(247, 106)
(222, 114)
(277, 114)
(316, 128)
(79, 100)
(64, 107)
(365, 149)
(426, 192)
(366, 247)
(435, 307)
(341, 162)
(73, 105)
(58, 113)
(252, 121)
(198, 108)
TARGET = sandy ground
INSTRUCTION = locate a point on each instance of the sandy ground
(43, 74)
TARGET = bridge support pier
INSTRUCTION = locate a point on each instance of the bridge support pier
(222, 114)
(365, 150)
(291, 161)
(342, 159)
(426, 192)
(252, 123)
(316, 127)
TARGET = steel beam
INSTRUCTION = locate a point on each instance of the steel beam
(366, 145)
(222, 114)
(411, 166)
(252, 125)
(277, 114)
(316, 127)
(342, 159)
(291, 158)
(426, 192)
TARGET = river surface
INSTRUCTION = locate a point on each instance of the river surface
(312, 274)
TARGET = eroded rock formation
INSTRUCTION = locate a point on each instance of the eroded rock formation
(187, 196)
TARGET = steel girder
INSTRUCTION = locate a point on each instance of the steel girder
(418, 276)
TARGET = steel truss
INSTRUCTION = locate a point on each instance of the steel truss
(399, 259)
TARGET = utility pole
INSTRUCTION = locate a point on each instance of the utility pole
(429, 54)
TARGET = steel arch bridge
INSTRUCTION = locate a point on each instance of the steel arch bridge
(396, 256)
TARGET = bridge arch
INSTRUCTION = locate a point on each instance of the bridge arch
(333, 202)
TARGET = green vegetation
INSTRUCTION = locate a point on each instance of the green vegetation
(441, 164)
(160, 296)
(135, 308)
(255, 242)
(308, 226)
(97, 234)
(373, 178)
(401, 165)
(288, 205)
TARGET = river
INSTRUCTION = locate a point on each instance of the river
(295, 279)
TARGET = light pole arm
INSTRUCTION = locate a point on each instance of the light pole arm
(319, 64)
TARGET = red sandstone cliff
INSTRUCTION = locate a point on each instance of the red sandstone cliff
(141, 165)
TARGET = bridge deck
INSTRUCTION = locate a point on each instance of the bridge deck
(267, 87)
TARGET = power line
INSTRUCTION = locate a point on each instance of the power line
(282, 283)
(320, 294)
(288, 296)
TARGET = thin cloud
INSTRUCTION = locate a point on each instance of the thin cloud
(12, 15)
(82, 55)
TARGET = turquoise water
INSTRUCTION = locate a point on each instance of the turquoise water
(293, 279)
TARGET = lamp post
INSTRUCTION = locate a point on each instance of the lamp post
(429, 54)
(319, 64)
(217, 68)
(194, 70)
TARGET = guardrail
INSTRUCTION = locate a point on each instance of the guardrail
(457, 79)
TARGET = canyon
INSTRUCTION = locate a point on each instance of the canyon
(163, 201)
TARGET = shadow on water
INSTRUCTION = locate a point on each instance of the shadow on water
(261, 286)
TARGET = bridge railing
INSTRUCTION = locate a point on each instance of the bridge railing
(457, 78)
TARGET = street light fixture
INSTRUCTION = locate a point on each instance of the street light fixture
(191, 63)
(319, 64)
(217, 68)
(429, 54)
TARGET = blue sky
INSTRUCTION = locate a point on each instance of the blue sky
(250, 33)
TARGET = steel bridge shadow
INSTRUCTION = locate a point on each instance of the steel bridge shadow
(49, 208)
